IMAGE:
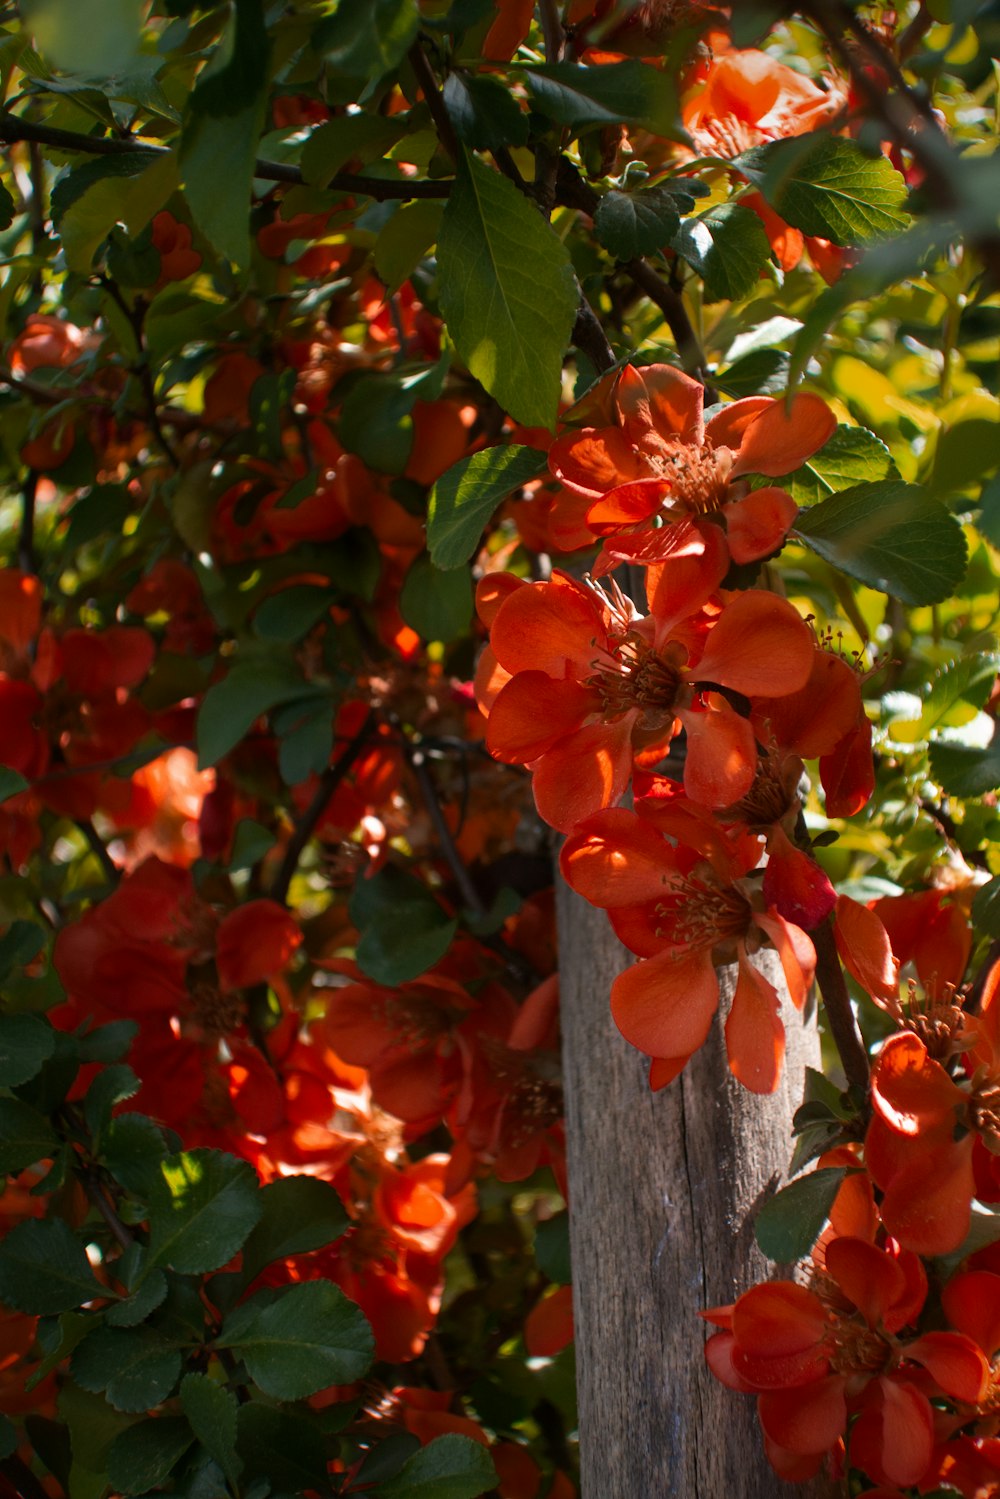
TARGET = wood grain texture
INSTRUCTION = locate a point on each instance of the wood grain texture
(664, 1189)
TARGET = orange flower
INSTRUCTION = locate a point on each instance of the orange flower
(671, 907)
(593, 683)
(661, 463)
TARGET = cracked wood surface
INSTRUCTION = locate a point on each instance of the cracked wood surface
(664, 1189)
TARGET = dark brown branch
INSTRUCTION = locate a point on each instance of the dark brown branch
(306, 826)
(20, 1476)
(417, 761)
(98, 1197)
(99, 849)
(14, 130)
(837, 1007)
(136, 315)
(589, 337)
(435, 100)
(574, 192)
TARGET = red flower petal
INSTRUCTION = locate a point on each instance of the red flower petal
(755, 1036)
(758, 524)
(665, 1005)
(780, 440)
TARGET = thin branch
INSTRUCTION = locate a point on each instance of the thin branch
(574, 192)
(435, 101)
(26, 559)
(552, 30)
(97, 1195)
(306, 825)
(136, 315)
(20, 1476)
(837, 1006)
(417, 761)
(98, 847)
(589, 337)
(14, 130)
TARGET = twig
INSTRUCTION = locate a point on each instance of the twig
(306, 825)
(136, 316)
(435, 101)
(20, 1476)
(552, 31)
(574, 192)
(97, 845)
(99, 1198)
(417, 761)
(837, 1006)
(26, 560)
(589, 337)
(14, 130)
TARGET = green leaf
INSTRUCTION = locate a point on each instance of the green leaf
(211, 1413)
(966, 453)
(403, 929)
(290, 614)
(367, 41)
(133, 1149)
(463, 500)
(8, 1437)
(25, 1136)
(851, 456)
(376, 420)
(449, 1467)
(43, 1268)
(26, 1043)
(727, 247)
(485, 114)
(552, 1248)
(110, 1087)
(152, 1293)
(339, 141)
(788, 1226)
(827, 186)
(231, 707)
(761, 372)
(891, 536)
(93, 1427)
(135, 1368)
(251, 841)
(282, 1446)
(964, 771)
(404, 241)
(91, 199)
(300, 1340)
(11, 783)
(19, 945)
(108, 1043)
(508, 292)
(438, 605)
(141, 1457)
(91, 38)
(221, 133)
(986, 908)
(639, 223)
(202, 1206)
(968, 680)
(299, 1213)
(630, 93)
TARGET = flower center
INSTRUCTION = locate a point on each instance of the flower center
(698, 476)
(641, 678)
(853, 1348)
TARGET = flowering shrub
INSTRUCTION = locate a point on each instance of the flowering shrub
(450, 448)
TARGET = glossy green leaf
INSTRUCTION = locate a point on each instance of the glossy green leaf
(134, 1367)
(853, 455)
(12, 783)
(638, 223)
(282, 1446)
(449, 1467)
(299, 1340)
(404, 241)
(891, 536)
(141, 1457)
(337, 142)
(211, 1413)
(968, 680)
(367, 40)
(93, 38)
(232, 706)
(964, 770)
(485, 114)
(552, 1248)
(298, 1213)
(25, 1136)
(986, 908)
(727, 247)
(508, 292)
(44, 1269)
(827, 186)
(463, 500)
(403, 929)
(26, 1043)
(629, 92)
(92, 198)
(202, 1207)
(438, 605)
(788, 1226)
(134, 1309)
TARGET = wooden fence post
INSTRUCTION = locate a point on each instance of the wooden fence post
(664, 1188)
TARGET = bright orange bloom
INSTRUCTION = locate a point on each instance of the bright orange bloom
(660, 465)
(593, 683)
(816, 1356)
(674, 909)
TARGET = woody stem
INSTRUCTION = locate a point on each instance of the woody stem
(837, 1006)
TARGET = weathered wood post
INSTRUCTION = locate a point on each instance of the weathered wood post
(663, 1188)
